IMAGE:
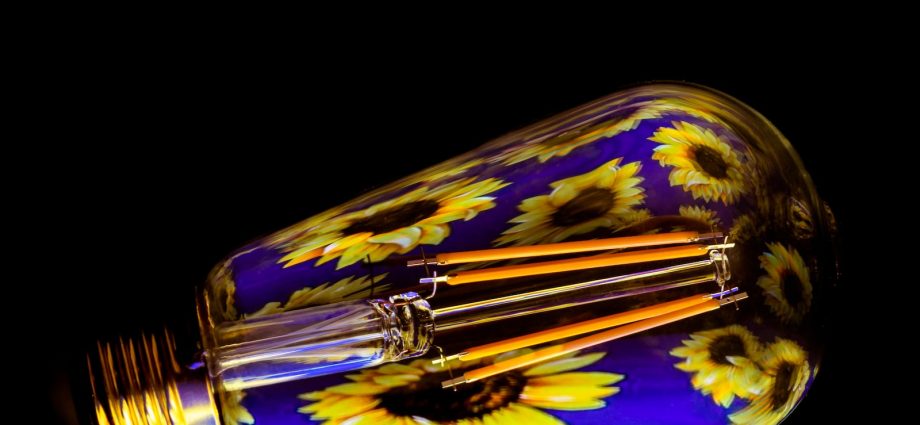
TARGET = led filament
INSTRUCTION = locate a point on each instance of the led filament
(352, 335)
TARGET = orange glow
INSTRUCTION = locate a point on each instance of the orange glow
(597, 324)
(589, 341)
(604, 260)
(565, 248)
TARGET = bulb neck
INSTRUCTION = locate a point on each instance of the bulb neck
(321, 340)
(407, 325)
(139, 381)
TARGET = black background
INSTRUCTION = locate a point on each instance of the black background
(147, 171)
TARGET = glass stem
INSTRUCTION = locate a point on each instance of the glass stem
(318, 341)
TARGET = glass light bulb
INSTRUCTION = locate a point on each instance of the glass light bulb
(656, 256)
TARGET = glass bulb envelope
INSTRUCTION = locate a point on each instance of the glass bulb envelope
(656, 256)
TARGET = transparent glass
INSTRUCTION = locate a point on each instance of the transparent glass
(515, 244)
(657, 256)
(341, 337)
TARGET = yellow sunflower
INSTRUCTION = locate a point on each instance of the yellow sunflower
(786, 366)
(723, 363)
(562, 143)
(344, 289)
(434, 174)
(394, 226)
(701, 214)
(786, 285)
(221, 292)
(412, 394)
(703, 164)
(602, 198)
(232, 411)
(803, 226)
(636, 216)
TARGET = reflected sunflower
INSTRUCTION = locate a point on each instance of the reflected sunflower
(300, 230)
(394, 226)
(635, 222)
(704, 165)
(786, 285)
(221, 292)
(786, 366)
(636, 216)
(232, 411)
(831, 219)
(800, 218)
(443, 171)
(743, 228)
(412, 394)
(689, 107)
(561, 143)
(701, 214)
(722, 361)
(602, 198)
(345, 289)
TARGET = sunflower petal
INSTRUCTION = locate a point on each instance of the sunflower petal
(400, 369)
(564, 365)
(352, 255)
(562, 195)
(577, 378)
(524, 414)
(580, 404)
(565, 393)
(433, 234)
(346, 242)
(374, 417)
(302, 257)
(446, 217)
(356, 388)
(404, 237)
(347, 407)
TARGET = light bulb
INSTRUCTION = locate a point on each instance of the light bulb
(656, 256)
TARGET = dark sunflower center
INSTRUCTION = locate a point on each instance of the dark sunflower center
(427, 399)
(782, 387)
(710, 161)
(589, 204)
(791, 288)
(724, 346)
(394, 218)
